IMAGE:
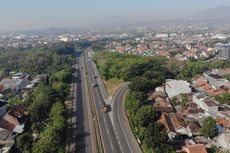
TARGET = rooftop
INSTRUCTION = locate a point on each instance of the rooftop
(196, 148)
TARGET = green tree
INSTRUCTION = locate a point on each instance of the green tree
(184, 102)
(24, 142)
(144, 115)
(208, 127)
(16, 102)
(40, 106)
(51, 140)
(224, 98)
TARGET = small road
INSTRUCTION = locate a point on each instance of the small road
(121, 123)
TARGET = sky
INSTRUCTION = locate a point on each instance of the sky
(37, 14)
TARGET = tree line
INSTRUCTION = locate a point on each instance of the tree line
(45, 131)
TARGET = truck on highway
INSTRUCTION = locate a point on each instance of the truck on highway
(104, 107)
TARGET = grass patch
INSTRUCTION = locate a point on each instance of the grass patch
(112, 85)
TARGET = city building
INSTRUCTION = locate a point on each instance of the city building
(223, 51)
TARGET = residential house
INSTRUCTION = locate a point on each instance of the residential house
(6, 140)
(206, 103)
(216, 81)
(199, 81)
(223, 122)
(210, 84)
(221, 72)
(224, 140)
(174, 124)
(11, 123)
(15, 85)
(224, 114)
(193, 109)
(18, 75)
(194, 127)
(166, 121)
(179, 124)
(195, 148)
(160, 102)
(42, 78)
(14, 120)
(176, 87)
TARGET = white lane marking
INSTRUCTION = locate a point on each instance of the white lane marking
(107, 130)
(112, 146)
(118, 141)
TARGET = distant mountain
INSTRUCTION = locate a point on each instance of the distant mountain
(221, 12)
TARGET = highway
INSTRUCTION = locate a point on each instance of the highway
(84, 132)
(97, 131)
(116, 133)
(109, 139)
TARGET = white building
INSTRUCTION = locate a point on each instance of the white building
(161, 35)
(224, 140)
(177, 87)
(206, 103)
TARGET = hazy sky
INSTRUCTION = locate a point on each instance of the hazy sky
(33, 14)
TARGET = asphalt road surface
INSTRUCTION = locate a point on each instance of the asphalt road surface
(125, 135)
(109, 139)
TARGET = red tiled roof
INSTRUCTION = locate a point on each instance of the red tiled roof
(196, 148)
(201, 81)
(6, 125)
(206, 87)
(212, 92)
(194, 126)
(11, 119)
(177, 120)
(166, 121)
(222, 121)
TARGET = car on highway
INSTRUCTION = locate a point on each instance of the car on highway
(94, 85)
(95, 76)
(104, 107)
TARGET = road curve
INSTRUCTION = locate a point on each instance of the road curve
(123, 130)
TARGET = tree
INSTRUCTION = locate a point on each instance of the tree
(208, 127)
(184, 102)
(64, 75)
(140, 84)
(224, 98)
(16, 102)
(144, 116)
(155, 139)
(52, 138)
(40, 106)
(24, 142)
